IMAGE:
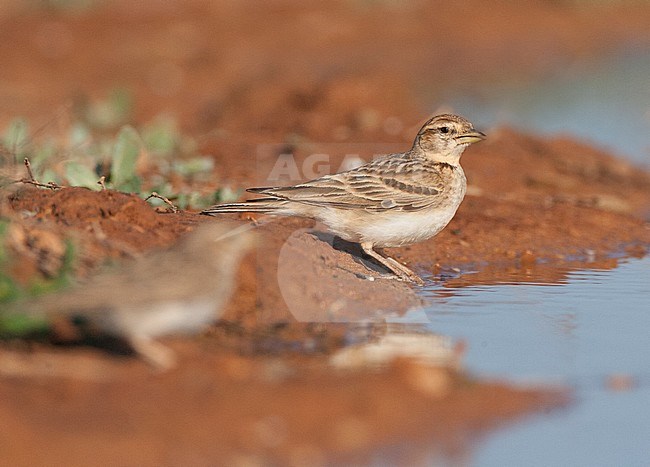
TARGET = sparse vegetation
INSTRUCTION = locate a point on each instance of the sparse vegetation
(99, 149)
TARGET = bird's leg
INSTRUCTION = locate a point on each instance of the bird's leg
(408, 273)
(154, 353)
(394, 266)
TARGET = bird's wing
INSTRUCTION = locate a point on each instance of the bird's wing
(382, 185)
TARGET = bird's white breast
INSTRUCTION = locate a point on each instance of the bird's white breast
(389, 229)
(408, 228)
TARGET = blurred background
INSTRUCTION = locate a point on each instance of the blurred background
(238, 73)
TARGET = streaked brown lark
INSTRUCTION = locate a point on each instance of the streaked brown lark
(395, 200)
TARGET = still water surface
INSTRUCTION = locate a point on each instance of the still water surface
(580, 333)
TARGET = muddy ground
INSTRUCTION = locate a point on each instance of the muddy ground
(257, 388)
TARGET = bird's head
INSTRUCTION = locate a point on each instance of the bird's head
(444, 138)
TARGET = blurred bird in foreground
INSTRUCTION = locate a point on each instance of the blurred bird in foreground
(171, 292)
(394, 200)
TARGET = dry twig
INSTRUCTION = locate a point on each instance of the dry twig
(163, 199)
(31, 180)
(28, 166)
(50, 185)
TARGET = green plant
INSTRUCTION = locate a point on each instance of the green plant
(15, 137)
(13, 321)
(98, 145)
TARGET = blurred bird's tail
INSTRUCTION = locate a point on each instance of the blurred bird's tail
(262, 205)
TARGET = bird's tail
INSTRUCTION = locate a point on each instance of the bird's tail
(262, 205)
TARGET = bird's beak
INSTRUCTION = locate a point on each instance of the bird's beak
(470, 137)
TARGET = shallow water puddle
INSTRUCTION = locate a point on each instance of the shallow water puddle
(590, 331)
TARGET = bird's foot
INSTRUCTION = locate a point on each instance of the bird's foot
(405, 274)
(400, 271)
(161, 358)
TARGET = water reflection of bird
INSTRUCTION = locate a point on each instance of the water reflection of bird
(177, 291)
(395, 200)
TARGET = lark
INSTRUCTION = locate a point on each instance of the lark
(179, 291)
(392, 201)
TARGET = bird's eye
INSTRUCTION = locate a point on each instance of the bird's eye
(444, 129)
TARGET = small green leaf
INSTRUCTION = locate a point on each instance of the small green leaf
(79, 135)
(16, 325)
(226, 195)
(134, 185)
(16, 134)
(196, 165)
(50, 175)
(78, 174)
(182, 200)
(161, 136)
(124, 158)
(8, 289)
